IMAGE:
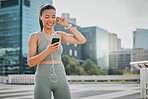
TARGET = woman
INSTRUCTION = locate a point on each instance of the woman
(50, 73)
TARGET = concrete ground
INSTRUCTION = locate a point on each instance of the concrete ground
(78, 91)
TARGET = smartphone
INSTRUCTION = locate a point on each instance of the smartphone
(54, 40)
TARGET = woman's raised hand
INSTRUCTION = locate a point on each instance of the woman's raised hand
(62, 21)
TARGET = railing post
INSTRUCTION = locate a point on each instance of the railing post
(142, 65)
(138, 80)
(9, 79)
(123, 81)
(82, 81)
(142, 83)
(108, 81)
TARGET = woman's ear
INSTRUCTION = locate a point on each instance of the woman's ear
(40, 17)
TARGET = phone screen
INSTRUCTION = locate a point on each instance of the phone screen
(54, 40)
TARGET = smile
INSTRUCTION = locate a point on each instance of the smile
(50, 24)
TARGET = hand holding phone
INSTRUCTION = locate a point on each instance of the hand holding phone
(53, 47)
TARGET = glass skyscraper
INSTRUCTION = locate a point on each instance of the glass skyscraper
(140, 38)
(97, 46)
(18, 18)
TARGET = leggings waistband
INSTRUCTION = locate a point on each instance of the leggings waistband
(51, 62)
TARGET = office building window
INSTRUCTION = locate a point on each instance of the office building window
(70, 52)
(9, 3)
(27, 3)
(75, 45)
(75, 53)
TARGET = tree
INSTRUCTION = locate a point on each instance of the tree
(91, 68)
(72, 66)
(112, 71)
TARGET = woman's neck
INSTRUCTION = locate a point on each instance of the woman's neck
(47, 31)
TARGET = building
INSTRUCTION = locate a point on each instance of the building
(140, 46)
(96, 47)
(140, 38)
(120, 59)
(139, 54)
(114, 42)
(18, 18)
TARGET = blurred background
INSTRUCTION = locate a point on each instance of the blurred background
(116, 33)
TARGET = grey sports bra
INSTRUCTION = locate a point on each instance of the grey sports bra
(43, 45)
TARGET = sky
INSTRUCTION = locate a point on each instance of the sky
(121, 17)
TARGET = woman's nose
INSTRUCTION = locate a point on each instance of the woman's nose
(50, 19)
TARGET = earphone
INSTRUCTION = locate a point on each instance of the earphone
(53, 77)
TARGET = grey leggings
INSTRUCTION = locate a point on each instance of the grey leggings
(44, 86)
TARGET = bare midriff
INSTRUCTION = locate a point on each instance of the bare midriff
(51, 62)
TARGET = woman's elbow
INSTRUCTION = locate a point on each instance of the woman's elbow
(84, 41)
(30, 64)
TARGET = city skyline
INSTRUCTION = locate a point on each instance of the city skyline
(121, 17)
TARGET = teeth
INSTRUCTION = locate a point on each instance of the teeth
(49, 24)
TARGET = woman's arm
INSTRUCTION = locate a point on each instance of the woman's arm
(34, 59)
(75, 38)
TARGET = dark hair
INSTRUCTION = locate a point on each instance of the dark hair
(43, 8)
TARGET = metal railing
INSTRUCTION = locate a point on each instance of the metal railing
(105, 78)
(3, 79)
(29, 79)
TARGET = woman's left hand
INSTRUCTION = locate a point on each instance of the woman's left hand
(62, 21)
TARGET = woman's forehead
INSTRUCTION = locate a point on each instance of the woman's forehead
(49, 12)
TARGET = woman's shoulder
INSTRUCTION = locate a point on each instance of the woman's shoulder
(34, 35)
(60, 32)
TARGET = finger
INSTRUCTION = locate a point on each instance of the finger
(57, 19)
(56, 47)
(57, 43)
(53, 44)
(60, 19)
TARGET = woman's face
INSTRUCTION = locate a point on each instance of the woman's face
(48, 18)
